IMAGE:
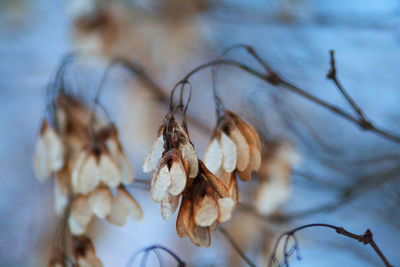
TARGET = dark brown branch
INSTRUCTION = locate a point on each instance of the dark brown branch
(236, 246)
(365, 124)
(366, 239)
(273, 78)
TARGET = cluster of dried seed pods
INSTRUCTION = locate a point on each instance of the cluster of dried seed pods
(88, 162)
(174, 162)
(209, 191)
(206, 202)
(235, 147)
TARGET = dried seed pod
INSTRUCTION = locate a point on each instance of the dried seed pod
(118, 155)
(183, 219)
(153, 158)
(213, 156)
(108, 171)
(177, 173)
(188, 153)
(61, 190)
(215, 182)
(49, 152)
(235, 146)
(118, 213)
(169, 205)
(85, 174)
(133, 209)
(242, 149)
(229, 152)
(84, 252)
(160, 183)
(100, 201)
(80, 215)
(205, 209)
(200, 236)
(226, 207)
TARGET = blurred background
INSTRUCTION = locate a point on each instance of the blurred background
(339, 174)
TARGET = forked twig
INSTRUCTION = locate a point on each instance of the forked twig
(366, 239)
(364, 123)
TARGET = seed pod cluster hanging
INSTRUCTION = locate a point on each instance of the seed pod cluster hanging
(208, 191)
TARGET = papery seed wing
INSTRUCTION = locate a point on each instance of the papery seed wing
(131, 205)
(153, 158)
(242, 149)
(215, 182)
(85, 174)
(226, 207)
(178, 178)
(100, 201)
(61, 191)
(118, 212)
(182, 220)
(127, 175)
(108, 171)
(160, 183)
(55, 149)
(169, 205)
(229, 152)
(224, 176)
(80, 215)
(188, 152)
(271, 195)
(200, 236)
(40, 164)
(233, 189)
(245, 175)
(205, 210)
(213, 156)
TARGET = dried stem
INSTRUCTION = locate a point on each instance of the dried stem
(332, 76)
(273, 78)
(155, 248)
(236, 246)
(366, 239)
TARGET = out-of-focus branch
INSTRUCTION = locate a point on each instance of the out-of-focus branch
(366, 239)
(235, 246)
(359, 186)
(160, 94)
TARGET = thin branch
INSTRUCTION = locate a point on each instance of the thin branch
(333, 77)
(146, 251)
(366, 239)
(273, 78)
(236, 246)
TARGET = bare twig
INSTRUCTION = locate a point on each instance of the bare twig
(332, 76)
(236, 246)
(273, 78)
(155, 248)
(366, 239)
